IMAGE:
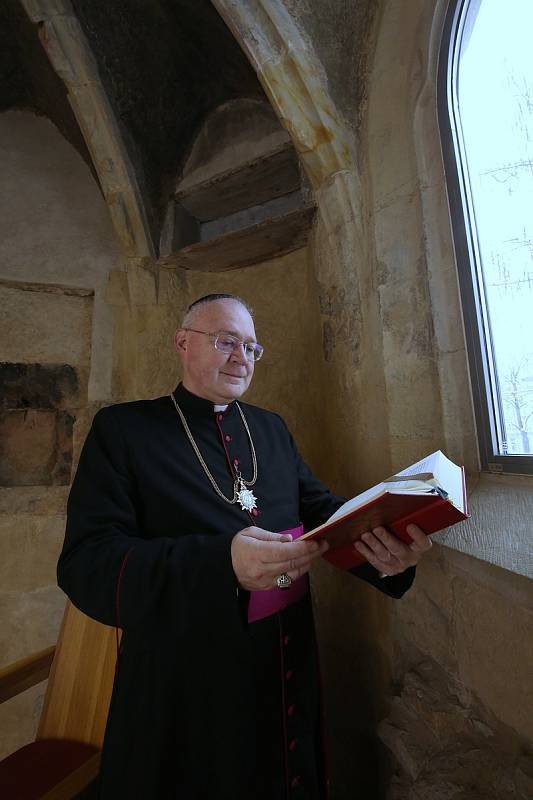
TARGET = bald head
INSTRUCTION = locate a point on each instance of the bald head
(199, 304)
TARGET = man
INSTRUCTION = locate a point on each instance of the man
(181, 528)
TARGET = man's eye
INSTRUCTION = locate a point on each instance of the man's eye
(249, 348)
(227, 341)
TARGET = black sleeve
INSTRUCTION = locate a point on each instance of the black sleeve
(317, 504)
(107, 568)
(394, 586)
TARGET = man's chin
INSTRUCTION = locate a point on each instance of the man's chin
(233, 387)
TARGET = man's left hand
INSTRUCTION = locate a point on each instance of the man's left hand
(390, 555)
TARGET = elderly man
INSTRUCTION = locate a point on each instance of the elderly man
(182, 530)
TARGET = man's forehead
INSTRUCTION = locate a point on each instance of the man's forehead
(224, 313)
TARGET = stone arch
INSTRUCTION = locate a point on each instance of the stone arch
(69, 52)
(292, 77)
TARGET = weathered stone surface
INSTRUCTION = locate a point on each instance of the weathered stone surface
(448, 745)
(35, 447)
(343, 35)
(499, 530)
(464, 661)
(29, 548)
(36, 326)
(30, 621)
(495, 652)
(33, 499)
(43, 386)
(475, 619)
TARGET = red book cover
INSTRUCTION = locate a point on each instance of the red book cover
(430, 512)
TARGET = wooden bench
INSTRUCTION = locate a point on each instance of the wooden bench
(65, 757)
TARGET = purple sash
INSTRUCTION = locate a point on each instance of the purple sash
(263, 604)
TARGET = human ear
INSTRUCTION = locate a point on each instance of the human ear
(180, 341)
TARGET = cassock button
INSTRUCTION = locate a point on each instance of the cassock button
(289, 674)
(292, 744)
(286, 639)
(220, 417)
(295, 782)
(236, 462)
(291, 710)
(227, 438)
(255, 512)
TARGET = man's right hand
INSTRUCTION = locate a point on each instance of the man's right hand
(260, 556)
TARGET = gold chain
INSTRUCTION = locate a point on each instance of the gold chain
(204, 465)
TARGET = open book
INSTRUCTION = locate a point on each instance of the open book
(430, 494)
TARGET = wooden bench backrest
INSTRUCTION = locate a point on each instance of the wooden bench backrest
(81, 679)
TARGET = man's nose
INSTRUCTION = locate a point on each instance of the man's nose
(239, 354)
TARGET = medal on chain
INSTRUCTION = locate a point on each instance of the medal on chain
(242, 494)
(245, 497)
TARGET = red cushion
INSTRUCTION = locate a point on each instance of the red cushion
(36, 768)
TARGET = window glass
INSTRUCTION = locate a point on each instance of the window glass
(494, 136)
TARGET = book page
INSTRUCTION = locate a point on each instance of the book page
(447, 476)
(450, 477)
(358, 501)
(426, 464)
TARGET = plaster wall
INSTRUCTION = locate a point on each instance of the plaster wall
(56, 248)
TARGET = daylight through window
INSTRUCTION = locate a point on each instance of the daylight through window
(490, 107)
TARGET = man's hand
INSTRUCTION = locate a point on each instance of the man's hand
(259, 556)
(390, 555)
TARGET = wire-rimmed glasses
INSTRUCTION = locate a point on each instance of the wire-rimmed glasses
(228, 343)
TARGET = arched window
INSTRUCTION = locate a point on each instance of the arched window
(486, 121)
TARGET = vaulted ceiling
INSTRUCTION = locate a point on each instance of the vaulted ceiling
(163, 64)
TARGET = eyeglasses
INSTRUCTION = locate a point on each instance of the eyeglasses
(227, 343)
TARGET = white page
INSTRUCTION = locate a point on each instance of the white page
(426, 464)
(360, 500)
(449, 477)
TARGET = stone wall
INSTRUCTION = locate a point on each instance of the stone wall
(56, 248)
(460, 724)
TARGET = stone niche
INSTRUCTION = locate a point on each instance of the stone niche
(36, 424)
(241, 197)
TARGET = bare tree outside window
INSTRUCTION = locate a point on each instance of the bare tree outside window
(494, 94)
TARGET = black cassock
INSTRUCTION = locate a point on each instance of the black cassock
(204, 705)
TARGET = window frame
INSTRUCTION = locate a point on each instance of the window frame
(477, 325)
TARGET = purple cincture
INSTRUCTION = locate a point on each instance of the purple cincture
(263, 604)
